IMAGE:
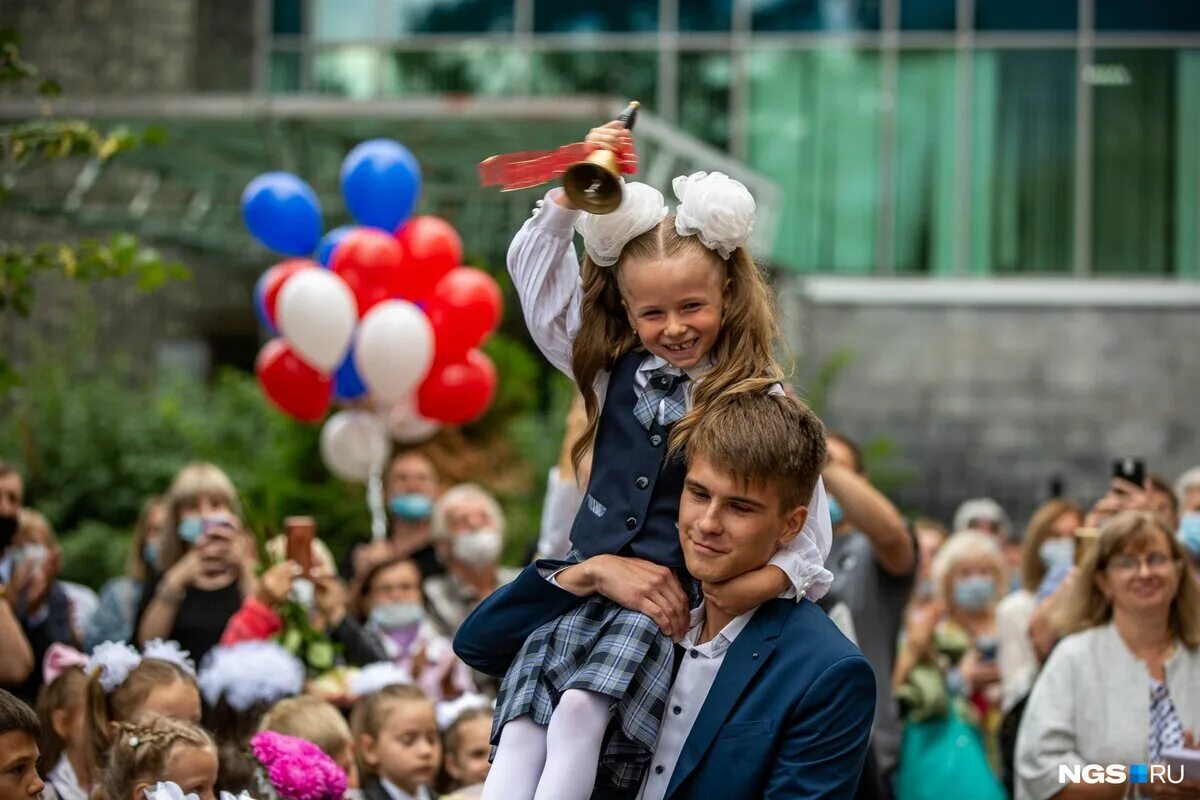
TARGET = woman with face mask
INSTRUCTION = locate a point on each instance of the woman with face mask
(947, 677)
(121, 596)
(468, 530)
(1048, 549)
(392, 603)
(205, 562)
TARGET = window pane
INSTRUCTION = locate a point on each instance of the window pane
(285, 72)
(706, 15)
(346, 20)
(1023, 161)
(927, 15)
(287, 17)
(924, 204)
(595, 16)
(814, 128)
(1187, 165)
(623, 74)
(704, 80)
(1027, 15)
(816, 15)
(1133, 148)
(405, 17)
(470, 69)
(1148, 15)
(349, 71)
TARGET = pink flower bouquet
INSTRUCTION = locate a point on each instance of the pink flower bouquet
(297, 769)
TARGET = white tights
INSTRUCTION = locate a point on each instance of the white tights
(554, 762)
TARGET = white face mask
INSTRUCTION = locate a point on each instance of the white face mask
(1057, 552)
(478, 548)
(394, 616)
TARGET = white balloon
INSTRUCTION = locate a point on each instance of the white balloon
(394, 350)
(354, 443)
(316, 313)
(406, 424)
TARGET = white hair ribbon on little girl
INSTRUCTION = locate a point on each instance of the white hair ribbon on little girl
(713, 207)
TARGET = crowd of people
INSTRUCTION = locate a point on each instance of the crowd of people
(996, 658)
(721, 602)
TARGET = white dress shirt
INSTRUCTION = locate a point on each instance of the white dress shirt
(701, 663)
(545, 272)
(396, 793)
(62, 783)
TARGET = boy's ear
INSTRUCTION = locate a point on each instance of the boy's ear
(793, 523)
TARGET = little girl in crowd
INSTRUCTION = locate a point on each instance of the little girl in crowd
(668, 313)
(124, 683)
(466, 741)
(62, 710)
(157, 749)
(316, 721)
(399, 748)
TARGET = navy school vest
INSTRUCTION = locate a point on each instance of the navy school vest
(632, 501)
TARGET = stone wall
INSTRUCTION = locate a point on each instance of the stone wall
(1001, 399)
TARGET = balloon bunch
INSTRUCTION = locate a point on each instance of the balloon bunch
(378, 317)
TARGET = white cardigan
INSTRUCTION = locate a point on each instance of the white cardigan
(1091, 705)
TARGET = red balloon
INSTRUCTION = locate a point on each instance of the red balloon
(459, 391)
(273, 279)
(463, 310)
(292, 386)
(431, 249)
(369, 261)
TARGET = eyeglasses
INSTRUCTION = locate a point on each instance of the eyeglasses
(1155, 562)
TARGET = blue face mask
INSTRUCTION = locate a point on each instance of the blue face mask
(191, 529)
(1189, 533)
(836, 514)
(1057, 552)
(411, 507)
(150, 554)
(974, 593)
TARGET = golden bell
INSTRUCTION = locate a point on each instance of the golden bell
(594, 184)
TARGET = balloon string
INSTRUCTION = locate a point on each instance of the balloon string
(375, 503)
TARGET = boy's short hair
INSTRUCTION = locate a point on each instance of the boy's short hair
(311, 718)
(769, 439)
(16, 716)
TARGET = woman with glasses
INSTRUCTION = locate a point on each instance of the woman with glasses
(1125, 686)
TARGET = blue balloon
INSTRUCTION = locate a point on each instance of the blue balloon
(347, 385)
(283, 213)
(260, 304)
(329, 241)
(380, 182)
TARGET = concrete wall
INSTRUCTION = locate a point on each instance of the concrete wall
(998, 398)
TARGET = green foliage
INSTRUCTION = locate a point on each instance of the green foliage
(89, 260)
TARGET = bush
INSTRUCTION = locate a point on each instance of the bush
(94, 443)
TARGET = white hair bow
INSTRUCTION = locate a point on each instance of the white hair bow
(713, 207)
(248, 673)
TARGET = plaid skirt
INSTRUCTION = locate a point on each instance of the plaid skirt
(599, 647)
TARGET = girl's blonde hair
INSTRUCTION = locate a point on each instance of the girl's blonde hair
(193, 482)
(141, 750)
(311, 718)
(742, 354)
(1040, 525)
(1132, 531)
(370, 712)
(67, 692)
(124, 702)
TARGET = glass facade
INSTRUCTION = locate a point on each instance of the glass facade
(908, 137)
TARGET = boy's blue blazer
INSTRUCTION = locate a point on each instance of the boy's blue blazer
(788, 716)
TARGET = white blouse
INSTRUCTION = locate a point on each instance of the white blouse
(545, 272)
